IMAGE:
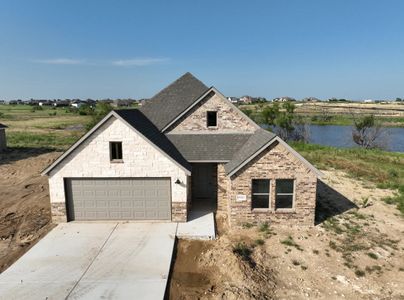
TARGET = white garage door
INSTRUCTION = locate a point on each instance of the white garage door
(118, 199)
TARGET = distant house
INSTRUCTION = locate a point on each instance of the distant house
(246, 99)
(233, 99)
(284, 99)
(78, 103)
(368, 101)
(311, 99)
(61, 103)
(45, 103)
(3, 142)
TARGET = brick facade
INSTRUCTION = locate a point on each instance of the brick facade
(140, 159)
(179, 211)
(229, 119)
(276, 162)
(222, 189)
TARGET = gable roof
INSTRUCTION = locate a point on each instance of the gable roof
(211, 90)
(3, 126)
(257, 143)
(166, 105)
(138, 122)
(208, 147)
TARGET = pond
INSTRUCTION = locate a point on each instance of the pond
(341, 136)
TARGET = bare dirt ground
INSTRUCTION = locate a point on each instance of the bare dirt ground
(356, 251)
(24, 201)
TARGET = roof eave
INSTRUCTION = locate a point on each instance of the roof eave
(318, 173)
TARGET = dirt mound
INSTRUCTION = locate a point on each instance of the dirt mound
(214, 270)
(24, 201)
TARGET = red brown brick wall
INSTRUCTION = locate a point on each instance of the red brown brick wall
(179, 211)
(222, 186)
(229, 119)
(276, 162)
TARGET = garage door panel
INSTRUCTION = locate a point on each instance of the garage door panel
(119, 199)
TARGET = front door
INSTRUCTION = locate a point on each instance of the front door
(204, 184)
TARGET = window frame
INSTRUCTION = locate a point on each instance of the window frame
(113, 144)
(207, 118)
(261, 194)
(288, 209)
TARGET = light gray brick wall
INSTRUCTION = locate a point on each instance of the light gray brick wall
(140, 159)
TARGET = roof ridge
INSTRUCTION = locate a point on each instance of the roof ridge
(187, 74)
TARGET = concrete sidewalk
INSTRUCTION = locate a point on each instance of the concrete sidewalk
(93, 261)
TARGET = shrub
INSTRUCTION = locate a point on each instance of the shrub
(290, 242)
(359, 273)
(259, 242)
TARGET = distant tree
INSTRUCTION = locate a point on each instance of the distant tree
(101, 110)
(399, 100)
(285, 123)
(368, 133)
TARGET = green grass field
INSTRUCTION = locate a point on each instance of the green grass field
(385, 169)
(54, 128)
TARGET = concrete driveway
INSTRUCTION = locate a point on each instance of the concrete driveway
(94, 261)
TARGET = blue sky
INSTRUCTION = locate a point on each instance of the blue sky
(98, 49)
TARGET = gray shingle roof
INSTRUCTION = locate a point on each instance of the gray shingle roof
(141, 123)
(256, 141)
(165, 106)
(208, 147)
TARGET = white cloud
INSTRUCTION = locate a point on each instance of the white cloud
(137, 62)
(59, 61)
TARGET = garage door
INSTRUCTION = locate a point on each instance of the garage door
(119, 199)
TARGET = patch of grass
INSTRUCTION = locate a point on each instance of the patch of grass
(264, 227)
(244, 251)
(374, 268)
(401, 269)
(266, 230)
(247, 225)
(385, 169)
(304, 268)
(290, 242)
(316, 252)
(360, 273)
(295, 262)
(372, 255)
(358, 215)
(259, 242)
(332, 224)
(42, 140)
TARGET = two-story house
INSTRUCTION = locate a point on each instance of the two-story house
(187, 147)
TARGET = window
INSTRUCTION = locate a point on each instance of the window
(115, 150)
(211, 118)
(260, 193)
(284, 193)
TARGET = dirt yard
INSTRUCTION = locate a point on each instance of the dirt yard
(356, 251)
(24, 202)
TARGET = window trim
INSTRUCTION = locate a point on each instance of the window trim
(261, 194)
(111, 145)
(291, 209)
(207, 118)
